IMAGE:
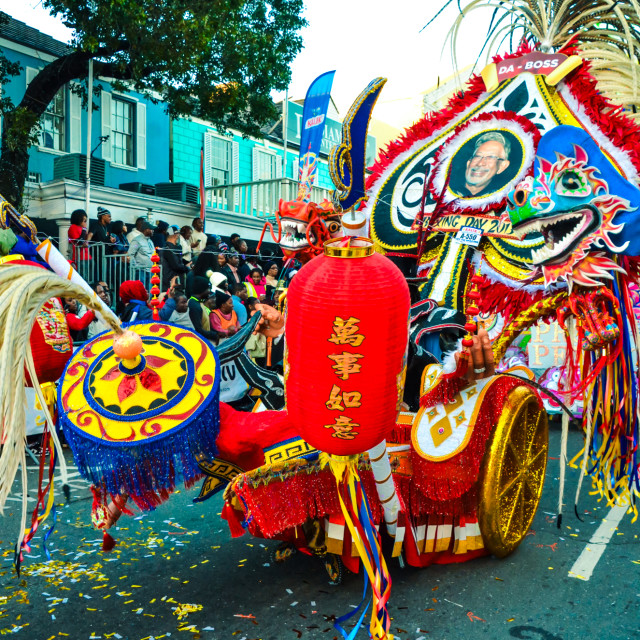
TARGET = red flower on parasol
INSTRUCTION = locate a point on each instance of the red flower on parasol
(148, 378)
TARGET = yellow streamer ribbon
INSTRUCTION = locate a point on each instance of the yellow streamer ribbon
(345, 467)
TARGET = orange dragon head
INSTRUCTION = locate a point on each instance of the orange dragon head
(305, 226)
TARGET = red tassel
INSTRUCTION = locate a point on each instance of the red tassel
(108, 542)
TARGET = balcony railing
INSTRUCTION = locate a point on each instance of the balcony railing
(258, 199)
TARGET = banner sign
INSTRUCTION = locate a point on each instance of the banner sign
(488, 225)
(314, 114)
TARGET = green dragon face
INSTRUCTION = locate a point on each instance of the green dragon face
(574, 209)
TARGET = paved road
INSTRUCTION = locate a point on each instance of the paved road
(177, 574)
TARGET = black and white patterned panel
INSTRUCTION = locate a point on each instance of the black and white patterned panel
(401, 193)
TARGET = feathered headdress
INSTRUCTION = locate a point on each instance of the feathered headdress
(605, 32)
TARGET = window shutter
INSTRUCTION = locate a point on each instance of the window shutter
(75, 123)
(235, 162)
(141, 135)
(296, 168)
(105, 118)
(207, 159)
(254, 165)
(278, 166)
(235, 171)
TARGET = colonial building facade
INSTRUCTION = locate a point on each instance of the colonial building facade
(144, 163)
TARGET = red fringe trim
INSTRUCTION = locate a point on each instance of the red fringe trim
(496, 297)
(448, 487)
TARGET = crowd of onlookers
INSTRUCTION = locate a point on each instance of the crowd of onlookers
(207, 285)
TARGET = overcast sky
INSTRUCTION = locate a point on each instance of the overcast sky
(360, 39)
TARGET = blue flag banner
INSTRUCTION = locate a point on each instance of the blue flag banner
(314, 114)
(348, 160)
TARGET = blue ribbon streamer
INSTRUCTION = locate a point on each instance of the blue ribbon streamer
(50, 530)
(338, 622)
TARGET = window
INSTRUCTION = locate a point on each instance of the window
(52, 133)
(122, 131)
(266, 166)
(220, 162)
(52, 124)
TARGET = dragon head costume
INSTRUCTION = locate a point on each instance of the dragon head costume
(303, 227)
(581, 204)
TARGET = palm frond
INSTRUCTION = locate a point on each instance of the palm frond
(606, 32)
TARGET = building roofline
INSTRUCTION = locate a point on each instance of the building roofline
(21, 33)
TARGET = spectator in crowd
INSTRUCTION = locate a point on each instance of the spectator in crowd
(159, 237)
(231, 269)
(103, 291)
(78, 237)
(180, 315)
(256, 284)
(199, 238)
(137, 230)
(171, 260)
(251, 305)
(78, 319)
(98, 325)
(272, 275)
(222, 262)
(248, 256)
(245, 265)
(117, 267)
(140, 252)
(218, 281)
(134, 296)
(199, 312)
(256, 345)
(186, 244)
(119, 230)
(100, 229)
(239, 297)
(224, 319)
(235, 239)
(207, 261)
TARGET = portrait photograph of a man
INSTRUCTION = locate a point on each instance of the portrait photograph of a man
(485, 164)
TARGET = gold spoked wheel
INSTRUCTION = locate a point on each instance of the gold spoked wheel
(514, 466)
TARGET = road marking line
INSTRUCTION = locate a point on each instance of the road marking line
(585, 564)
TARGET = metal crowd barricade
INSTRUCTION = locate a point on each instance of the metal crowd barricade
(95, 263)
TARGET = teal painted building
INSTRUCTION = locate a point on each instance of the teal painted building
(233, 159)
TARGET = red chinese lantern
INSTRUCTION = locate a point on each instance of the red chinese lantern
(347, 333)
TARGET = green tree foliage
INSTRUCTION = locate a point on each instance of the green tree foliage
(215, 59)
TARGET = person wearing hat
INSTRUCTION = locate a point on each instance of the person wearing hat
(99, 229)
(134, 298)
(171, 259)
(223, 319)
(140, 252)
(198, 310)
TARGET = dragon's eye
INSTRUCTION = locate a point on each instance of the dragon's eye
(520, 197)
(333, 227)
(572, 183)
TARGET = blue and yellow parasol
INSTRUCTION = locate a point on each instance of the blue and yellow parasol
(137, 409)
